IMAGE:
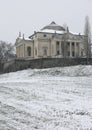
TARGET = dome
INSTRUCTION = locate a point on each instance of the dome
(53, 26)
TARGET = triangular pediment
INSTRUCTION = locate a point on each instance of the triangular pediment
(71, 36)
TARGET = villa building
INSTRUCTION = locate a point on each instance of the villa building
(51, 41)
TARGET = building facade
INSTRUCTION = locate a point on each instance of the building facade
(52, 41)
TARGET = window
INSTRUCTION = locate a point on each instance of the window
(81, 52)
(45, 51)
(44, 35)
(72, 53)
(29, 51)
(57, 43)
(58, 52)
(72, 43)
(68, 43)
(57, 47)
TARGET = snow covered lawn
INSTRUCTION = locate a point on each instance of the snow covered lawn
(48, 99)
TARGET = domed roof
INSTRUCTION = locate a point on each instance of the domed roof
(53, 26)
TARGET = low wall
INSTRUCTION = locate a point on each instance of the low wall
(20, 64)
(1, 67)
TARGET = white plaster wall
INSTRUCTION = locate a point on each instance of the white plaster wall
(44, 44)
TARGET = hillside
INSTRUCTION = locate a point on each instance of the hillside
(47, 99)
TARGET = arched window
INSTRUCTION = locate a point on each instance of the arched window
(29, 51)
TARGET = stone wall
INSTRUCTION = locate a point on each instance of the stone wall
(1, 67)
(20, 64)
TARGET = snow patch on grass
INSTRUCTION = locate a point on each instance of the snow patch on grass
(47, 99)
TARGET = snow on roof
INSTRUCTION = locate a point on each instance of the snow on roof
(51, 31)
(75, 33)
(28, 39)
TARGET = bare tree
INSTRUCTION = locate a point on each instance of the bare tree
(87, 33)
(6, 51)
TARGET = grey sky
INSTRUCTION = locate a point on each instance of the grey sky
(28, 16)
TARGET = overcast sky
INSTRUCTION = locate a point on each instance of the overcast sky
(28, 16)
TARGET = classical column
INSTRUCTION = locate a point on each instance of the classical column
(75, 49)
(79, 50)
(70, 49)
(19, 51)
(24, 50)
(50, 49)
(60, 48)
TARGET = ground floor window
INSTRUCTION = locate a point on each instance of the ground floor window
(58, 53)
(81, 52)
(29, 51)
(73, 53)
